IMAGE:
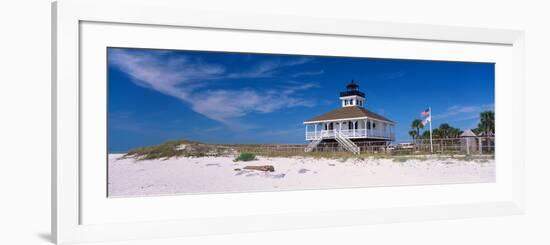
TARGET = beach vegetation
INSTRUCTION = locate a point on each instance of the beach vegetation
(400, 159)
(185, 148)
(416, 126)
(413, 134)
(486, 125)
(245, 157)
(444, 131)
(178, 148)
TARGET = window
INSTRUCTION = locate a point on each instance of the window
(345, 102)
(368, 125)
(373, 125)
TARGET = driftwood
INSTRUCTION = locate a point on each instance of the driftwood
(266, 168)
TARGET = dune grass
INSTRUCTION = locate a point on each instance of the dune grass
(165, 150)
(177, 148)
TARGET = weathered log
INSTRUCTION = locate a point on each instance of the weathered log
(265, 168)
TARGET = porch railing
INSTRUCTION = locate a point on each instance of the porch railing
(350, 133)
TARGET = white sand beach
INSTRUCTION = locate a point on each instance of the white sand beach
(128, 177)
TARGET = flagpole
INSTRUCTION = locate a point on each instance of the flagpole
(431, 140)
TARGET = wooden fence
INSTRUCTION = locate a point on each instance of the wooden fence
(471, 145)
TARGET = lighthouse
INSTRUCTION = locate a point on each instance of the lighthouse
(352, 96)
(349, 124)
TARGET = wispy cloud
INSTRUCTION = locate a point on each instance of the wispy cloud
(171, 76)
(268, 68)
(228, 106)
(460, 112)
(187, 79)
(308, 73)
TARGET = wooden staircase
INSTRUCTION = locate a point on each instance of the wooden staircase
(313, 144)
(347, 144)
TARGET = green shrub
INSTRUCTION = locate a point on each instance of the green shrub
(245, 157)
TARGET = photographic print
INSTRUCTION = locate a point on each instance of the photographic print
(194, 122)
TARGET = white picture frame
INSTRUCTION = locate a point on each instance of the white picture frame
(68, 197)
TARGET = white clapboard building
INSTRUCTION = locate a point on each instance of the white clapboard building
(349, 124)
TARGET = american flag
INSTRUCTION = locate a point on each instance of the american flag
(427, 120)
(425, 112)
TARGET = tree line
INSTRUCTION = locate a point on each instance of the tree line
(485, 127)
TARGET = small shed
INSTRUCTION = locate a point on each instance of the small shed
(468, 141)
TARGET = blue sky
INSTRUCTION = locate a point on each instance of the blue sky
(220, 97)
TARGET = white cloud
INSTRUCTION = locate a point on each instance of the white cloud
(187, 79)
(172, 76)
(460, 112)
(267, 68)
(229, 105)
(308, 73)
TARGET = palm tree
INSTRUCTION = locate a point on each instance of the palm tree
(417, 125)
(444, 130)
(426, 134)
(413, 134)
(454, 132)
(436, 133)
(486, 122)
